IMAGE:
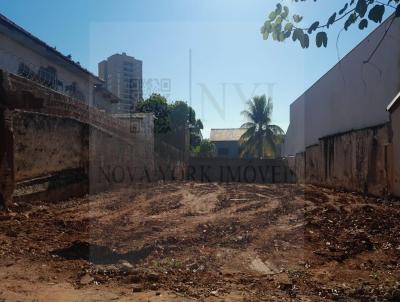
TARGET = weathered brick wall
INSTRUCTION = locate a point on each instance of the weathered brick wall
(45, 144)
(113, 162)
(7, 178)
(394, 157)
(355, 161)
(313, 164)
(26, 95)
(50, 133)
(296, 164)
(170, 162)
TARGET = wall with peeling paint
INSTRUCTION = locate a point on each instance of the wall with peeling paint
(45, 144)
(352, 95)
(48, 133)
(395, 150)
(355, 161)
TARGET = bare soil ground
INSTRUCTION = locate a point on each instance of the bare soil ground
(203, 242)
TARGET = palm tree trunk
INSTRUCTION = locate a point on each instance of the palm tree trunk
(260, 147)
(260, 141)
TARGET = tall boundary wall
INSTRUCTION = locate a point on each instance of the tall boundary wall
(357, 160)
(353, 94)
(222, 170)
(46, 135)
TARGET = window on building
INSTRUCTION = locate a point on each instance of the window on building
(135, 84)
(128, 66)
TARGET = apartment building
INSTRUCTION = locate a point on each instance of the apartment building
(123, 77)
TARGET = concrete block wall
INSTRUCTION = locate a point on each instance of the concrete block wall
(7, 178)
(351, 95)
(48, 134)
(314, 164)
(394, 151)
(357, 160)
(45, 144)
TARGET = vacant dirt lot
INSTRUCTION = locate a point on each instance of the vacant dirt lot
(204, 242)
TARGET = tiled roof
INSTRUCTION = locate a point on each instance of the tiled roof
(230, 134)
(10, 24)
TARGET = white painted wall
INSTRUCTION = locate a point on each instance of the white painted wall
(352, 95)
(294, 139)
(16, 49)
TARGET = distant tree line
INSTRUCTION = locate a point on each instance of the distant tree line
(173, 118)
(259, 141)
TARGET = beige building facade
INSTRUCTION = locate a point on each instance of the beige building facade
(23, 54)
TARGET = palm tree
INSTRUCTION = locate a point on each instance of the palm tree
(260, 138)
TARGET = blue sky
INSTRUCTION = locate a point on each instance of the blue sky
(230, 60)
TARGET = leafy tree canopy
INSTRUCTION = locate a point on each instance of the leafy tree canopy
(281, 24)
(157, 104)
(261, 137)
(205, 149)
(171, 117)
(183, 114)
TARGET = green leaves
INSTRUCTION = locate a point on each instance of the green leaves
(376, 13)
(157, 104)
(304, 39)
(363, 24)
(281, 37)
(321, 39)
(288, 26)
(331, 20)
(278, 9)
(277, 12)
(350, 20)
(313, 27)
(361, 7)
(296, 34)
(341, 12)
(267, 27)
(281, 28)
(260, 135)
(205, 149)
(276, 21)
(272, 16)
(285, 12)
(297, 18)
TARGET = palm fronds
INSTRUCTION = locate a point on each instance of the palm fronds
(261, 138)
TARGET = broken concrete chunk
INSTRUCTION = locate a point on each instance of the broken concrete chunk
(86, 279)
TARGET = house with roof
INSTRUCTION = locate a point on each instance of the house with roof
(226, 141)
(23, 54)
